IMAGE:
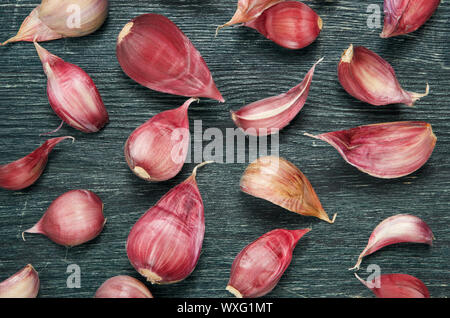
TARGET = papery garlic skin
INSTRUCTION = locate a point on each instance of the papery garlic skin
(369, 78)
(165, 243)
(155, 53)
(56, 19)
(24, 172)
(400, 228)
(72, 94)
(123, 287)
(23, 284)
(282, 183)
(248, 10)
(386, 150)
(290, 24)
(397, 286)
(156, 151)
(270, 115)
(257, 269)
(74, 218)
(406, 16)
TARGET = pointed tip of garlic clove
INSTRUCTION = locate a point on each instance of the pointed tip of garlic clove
(347, 56)
(324, 217)
(220, 27)
(234, 291)
(416, 96)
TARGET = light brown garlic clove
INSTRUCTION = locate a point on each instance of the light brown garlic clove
(282, 183)
(23, 284)
(55, 19)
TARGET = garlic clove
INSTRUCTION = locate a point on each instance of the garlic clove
(257, 269)
(23, 284)
(248, 10)
(123, 287)
(155, 53)
(24, 172)
(290, 24)
(72, 93)
(397, 286)
(402, 17)
(56, 19)
(386, 150)
(369, 78)
(400, 228)
(165, 243)
(272, 114)
(74, 218)
(282, 183)
(154, 151)
(56, 15)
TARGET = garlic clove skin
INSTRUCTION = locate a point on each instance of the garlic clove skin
(270, 115)
(369, 78)
(290, 24)
(56, 19)
(282, 183)
(24, 172)
(155, 53)
(74, 218)
(165, 243)
(56, 14)
(257, 269)
(248, 10)
(386, 150)
(397, 286)
(23, 284)
(72, 94)
(403, 17)
(123, 287)
(400, 228)
(153, 152)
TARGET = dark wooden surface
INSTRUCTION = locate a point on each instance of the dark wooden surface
(246, 67)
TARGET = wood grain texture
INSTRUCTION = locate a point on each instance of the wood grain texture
(246, 67)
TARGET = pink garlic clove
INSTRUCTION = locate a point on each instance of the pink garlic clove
(290, 24)
(397, 286)
(406, 16)
(74, 218)
(248, 10)
(369, 78)
(72, 94)
(157, 150)
(268, 116)
(24, 172)
(259, 266)
(54, 19)
(400, 228)
(154, 52)
(23, 284)
(165, 243)
(123, 287)
(387, 150)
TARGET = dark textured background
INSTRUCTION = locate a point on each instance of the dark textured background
(246, 67)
